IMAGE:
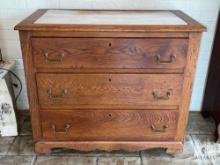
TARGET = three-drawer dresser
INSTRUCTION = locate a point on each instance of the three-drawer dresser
(109, 80)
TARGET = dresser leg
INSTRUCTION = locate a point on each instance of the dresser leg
(174, 150)
(42, 148)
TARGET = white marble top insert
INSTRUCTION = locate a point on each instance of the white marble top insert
(83, 17)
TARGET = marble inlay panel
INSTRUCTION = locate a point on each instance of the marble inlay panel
(110, 18)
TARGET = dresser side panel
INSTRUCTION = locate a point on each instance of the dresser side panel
(31, 83)
(193, 50)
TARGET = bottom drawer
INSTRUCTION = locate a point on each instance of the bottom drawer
(109, 125)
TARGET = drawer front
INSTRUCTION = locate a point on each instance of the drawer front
(109, 53)
(109, 125)
(125, 90)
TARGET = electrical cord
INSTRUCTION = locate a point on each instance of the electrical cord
(19, 80)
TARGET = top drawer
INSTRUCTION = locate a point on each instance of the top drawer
(109, 53)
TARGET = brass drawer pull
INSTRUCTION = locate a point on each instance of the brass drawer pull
(53, 61)
(61, 96)
(163, 129)
(65, 131)
(172, 59)
(167, 97)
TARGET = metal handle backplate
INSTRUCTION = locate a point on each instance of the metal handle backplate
(65, 130)
(154, 129)
(166, 97)
(54, 61)
(172, 59)
(56, 97)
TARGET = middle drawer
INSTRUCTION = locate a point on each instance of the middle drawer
(108, 90)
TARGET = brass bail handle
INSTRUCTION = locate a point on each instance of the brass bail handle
(54, 61)
(53, 97)
(172, 59)
(66, 129)
(154, 129)
(166, 97)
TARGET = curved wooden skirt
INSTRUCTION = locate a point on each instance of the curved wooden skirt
(47, 146)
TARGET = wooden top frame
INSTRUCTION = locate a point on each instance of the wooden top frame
(190, 26)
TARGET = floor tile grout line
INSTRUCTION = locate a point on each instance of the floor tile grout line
(196, 146)
(123, 157)
(196, 151)
(33, 161)
(97, 160)
(141, 158)
(11, 145)
(19, 145)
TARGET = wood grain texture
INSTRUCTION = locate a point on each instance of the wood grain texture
(188, 19)
(31, 83)
(106, 80)
(193, 50)
(32, 18)
(109, 53)
(110, 71)
(107, 125)
(124, 90)
(173, 35)
(46, 146)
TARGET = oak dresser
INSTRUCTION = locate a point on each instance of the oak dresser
(109, 80)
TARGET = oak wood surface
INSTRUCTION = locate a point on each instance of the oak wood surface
(31, 83)
(131, 146)
(107, 80)
(107, 125)
(109, 89)
(192, 55)
(178, 35)
(110, 53)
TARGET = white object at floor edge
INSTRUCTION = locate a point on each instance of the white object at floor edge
(8, 123)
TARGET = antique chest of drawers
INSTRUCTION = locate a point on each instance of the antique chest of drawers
(109, 80)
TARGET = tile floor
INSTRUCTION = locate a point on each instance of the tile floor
(199, 149)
